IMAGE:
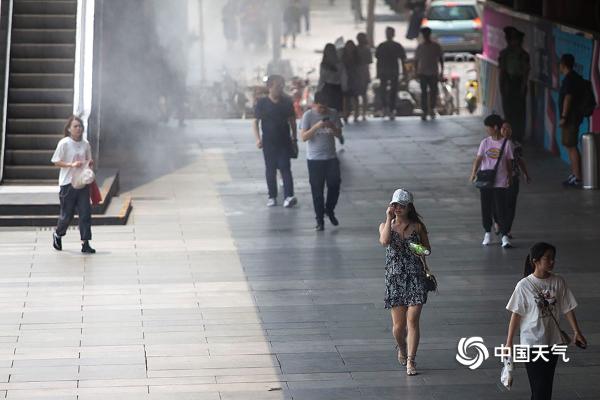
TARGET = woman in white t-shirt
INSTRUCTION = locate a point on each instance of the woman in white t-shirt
(536, 304)
(72, 154)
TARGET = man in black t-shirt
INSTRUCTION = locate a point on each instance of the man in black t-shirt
(275, 115)
(388, 69)
(569, 100)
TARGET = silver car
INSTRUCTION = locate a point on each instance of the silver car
(455, 24)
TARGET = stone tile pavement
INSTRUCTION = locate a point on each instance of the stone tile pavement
(207, 294)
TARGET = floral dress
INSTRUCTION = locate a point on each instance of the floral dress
(404, 273)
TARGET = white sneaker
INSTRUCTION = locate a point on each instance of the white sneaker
(506, 242)
(272, 202)
(290, 202)
(487, 239)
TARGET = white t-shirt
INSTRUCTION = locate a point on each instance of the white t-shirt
(537, 325)
(69, 150)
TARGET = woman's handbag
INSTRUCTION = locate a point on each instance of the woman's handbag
(486, 177)
(82, 177)
(95, 195)
(293, 149)
(430, 281)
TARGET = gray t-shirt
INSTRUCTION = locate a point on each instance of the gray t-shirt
(428, 55)
(322, 145)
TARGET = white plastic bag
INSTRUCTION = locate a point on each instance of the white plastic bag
(506, 374)
(82, 177)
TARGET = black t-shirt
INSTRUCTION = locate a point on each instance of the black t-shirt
(387, 55)
(571, 84)
(274, 120)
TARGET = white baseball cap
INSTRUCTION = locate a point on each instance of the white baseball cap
(402, 196)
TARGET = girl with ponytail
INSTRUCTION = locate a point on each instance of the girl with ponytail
(538, 301)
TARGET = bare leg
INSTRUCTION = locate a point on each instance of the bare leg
(364, 107)
(346, 110)
(575, 159)
(355, 108)
(412, 318)
(399, 327)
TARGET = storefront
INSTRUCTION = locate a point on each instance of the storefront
(545, 41)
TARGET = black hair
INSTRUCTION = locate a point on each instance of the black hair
(415, 217)
(494, 121)
(390, 32)
(320, 98)
(362, 39)
(273, 78)
(330, 57)
(426, 31)
(536, 252)
(568, 60)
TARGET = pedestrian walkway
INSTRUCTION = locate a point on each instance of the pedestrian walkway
(208, 294)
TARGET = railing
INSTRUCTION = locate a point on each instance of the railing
(6, 47)
(84, 61)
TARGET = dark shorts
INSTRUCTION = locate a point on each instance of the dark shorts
(570, 134)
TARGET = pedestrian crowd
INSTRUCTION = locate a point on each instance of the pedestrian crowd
(539, 299)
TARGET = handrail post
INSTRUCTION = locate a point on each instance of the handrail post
(6, 83)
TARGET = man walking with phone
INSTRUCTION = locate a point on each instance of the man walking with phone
(320, 126)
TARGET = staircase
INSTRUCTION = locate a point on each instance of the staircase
(40, 92)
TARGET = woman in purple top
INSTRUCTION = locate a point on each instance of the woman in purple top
(494, 199)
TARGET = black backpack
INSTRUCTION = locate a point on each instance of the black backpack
(587, 103)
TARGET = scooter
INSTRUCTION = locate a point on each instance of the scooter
(471, 95)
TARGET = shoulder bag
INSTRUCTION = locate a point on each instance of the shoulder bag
(431, 284)
(486, 177)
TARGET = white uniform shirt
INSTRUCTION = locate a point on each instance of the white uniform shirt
(534, 300)
(68, 151)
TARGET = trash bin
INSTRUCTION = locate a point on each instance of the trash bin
(590, 144)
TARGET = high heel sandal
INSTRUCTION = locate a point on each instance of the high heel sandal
(411, 366)
(402, 359)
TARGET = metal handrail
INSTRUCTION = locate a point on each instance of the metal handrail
(6, 84)
(84, 61)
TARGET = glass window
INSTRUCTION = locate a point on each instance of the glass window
(452, 13)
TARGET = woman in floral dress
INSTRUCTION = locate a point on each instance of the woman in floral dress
(404, 274)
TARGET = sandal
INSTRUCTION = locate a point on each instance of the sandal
(402, 359)
(411, 366)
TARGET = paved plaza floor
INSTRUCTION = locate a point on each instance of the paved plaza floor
(208, 294)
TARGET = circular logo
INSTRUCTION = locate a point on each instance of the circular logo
(464, 348)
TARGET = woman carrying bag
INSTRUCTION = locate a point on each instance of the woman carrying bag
(73, 155)
(538, 301)
(405, 236)
(492, 173)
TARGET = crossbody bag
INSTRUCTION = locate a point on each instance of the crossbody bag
(486, 177)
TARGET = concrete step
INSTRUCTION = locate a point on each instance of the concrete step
(32, 96)
(30, 172)
(32, 142)
(41, 81)
(47, 126)
(117, 213)
(45, 7)
(38, 36)
(44, 21)
(28, 157)
(41, 198)
(43, 65)
(37, 50)
(26, 110)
